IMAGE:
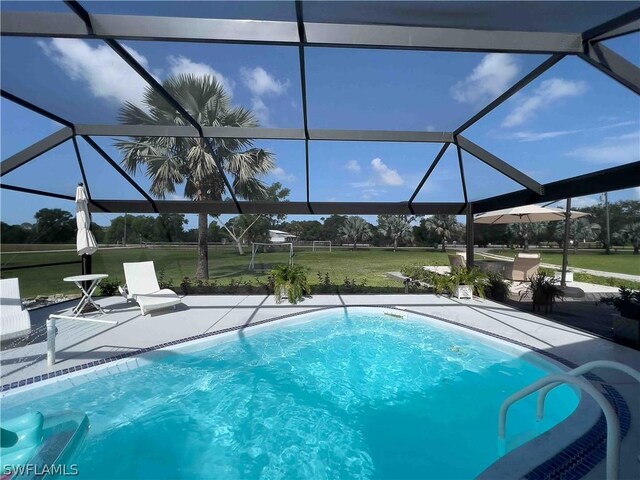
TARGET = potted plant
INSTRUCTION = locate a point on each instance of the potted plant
(543, 290)
(461, 282)
(626, 325)
(498, 287)
(290, 282)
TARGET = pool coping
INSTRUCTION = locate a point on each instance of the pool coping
(573, 461)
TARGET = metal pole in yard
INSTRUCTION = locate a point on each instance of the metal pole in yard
(565, 247)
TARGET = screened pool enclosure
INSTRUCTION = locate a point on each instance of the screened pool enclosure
(421, 79)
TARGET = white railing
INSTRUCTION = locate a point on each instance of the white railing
(545, 385)
(581, 370)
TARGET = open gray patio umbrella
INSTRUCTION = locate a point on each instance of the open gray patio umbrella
(532, 214)
(85, 241)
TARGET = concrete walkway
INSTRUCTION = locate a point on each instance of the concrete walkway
(81, 342)
(600, 273)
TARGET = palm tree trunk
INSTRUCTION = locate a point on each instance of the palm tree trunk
(395, 244)
(355, 241)
(203, 248)
(444, 241)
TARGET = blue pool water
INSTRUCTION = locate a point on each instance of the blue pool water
(357, 395)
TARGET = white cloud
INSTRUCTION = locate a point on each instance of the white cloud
(608, 153)
(261, 82)
(386, 175)
(626, 136)
(430, 128)
(582, 202)
(547, 93)
(353, 166)
(99, 67)
(280, 174)
(260, 110)
(536, 136)
(180, 65)
(492, 76)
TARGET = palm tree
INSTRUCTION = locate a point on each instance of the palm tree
(523, 232)
(354, 229)
(631, 233)
(444, 226)
(580, 230)
(170, 162)
(396, 227)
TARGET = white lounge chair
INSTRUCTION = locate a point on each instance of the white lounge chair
(142, 285)
(16, 321)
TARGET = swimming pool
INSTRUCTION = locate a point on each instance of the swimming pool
(352, 394)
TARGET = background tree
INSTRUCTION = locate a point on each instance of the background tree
(331, 228)
(255, 228)
(54, 225)
(443, 226)
(396, 227)
(355, 229)
(523, 232)
(173, 161)
(631, 234)
(169, 227)
(580, 230)
(15, 233)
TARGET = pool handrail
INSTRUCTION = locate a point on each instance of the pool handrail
(613, 424)
(581, 370)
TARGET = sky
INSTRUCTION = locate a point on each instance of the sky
(571, 120)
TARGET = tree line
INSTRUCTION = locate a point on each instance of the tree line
(58, 226)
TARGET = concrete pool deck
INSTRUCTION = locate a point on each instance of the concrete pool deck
(80, 342)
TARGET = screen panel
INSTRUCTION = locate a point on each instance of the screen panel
(572, 120)
(444, 184)
(20, 128)
(370, 89)
(82, 81)
(262, 79)
(367, 171)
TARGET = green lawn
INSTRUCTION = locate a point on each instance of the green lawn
(224, 262)
(619, 262)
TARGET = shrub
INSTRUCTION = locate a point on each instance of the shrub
(290, 281)
(352, 286)
(627, 303)
(543, 291)
(498, 287)
(109, 288)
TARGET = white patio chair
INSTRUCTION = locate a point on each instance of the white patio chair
(524, 266)
(458, 260)
(142, 285)
(16, 321)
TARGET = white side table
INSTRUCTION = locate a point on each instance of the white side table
(95, 280)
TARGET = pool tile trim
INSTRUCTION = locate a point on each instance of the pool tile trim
(574, 461)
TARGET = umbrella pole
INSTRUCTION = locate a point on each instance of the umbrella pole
(565, 247)
(470, 260)
(86, 268)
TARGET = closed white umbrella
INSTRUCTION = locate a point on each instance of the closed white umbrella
(526, 214)
(85, 241)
